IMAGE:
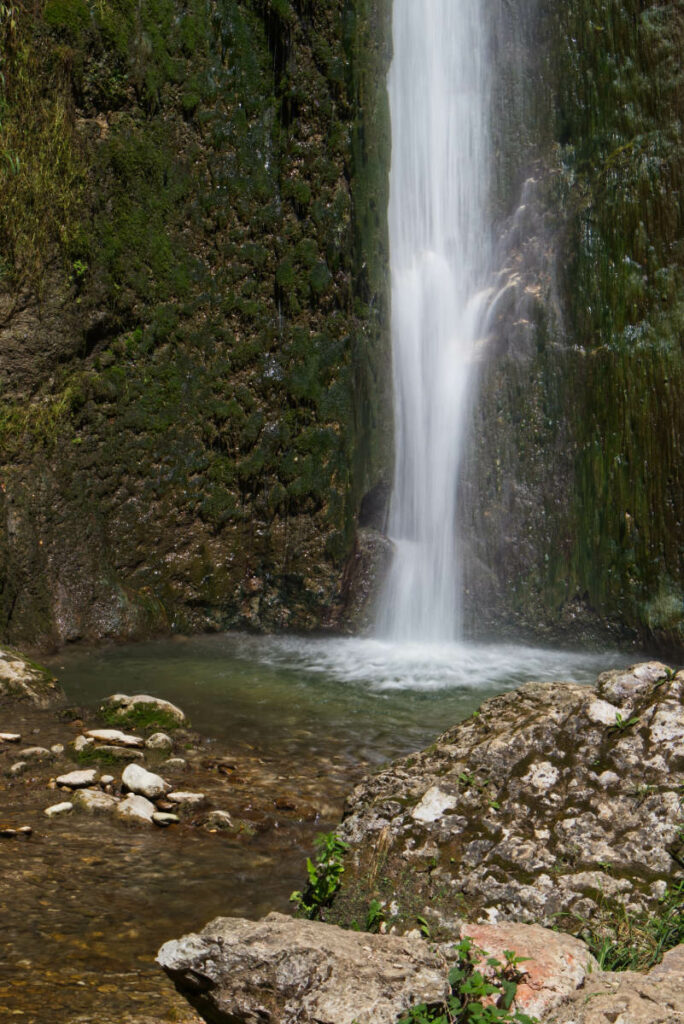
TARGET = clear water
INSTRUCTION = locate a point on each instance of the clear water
(440, 259)
(86, 903)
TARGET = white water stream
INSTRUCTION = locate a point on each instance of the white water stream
(440, 258)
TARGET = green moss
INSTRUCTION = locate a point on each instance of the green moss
(143, 717)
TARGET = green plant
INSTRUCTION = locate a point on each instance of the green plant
(636, 942)
(324, 877)
(482, 991)
(623, 723)
(375, 916)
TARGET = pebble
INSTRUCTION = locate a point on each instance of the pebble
(159, 741)
(10, 737)
(19, 767)
(75, 780)
(163, 820)
(36, 754)
(219, 819)
(56, 809)
(139, 780)
(94, 801)
(106, 780)
(81, 742)
(115, 737)
(120, 753)
(135, 809)
(176, 762)
(187, 799)
(57, 748)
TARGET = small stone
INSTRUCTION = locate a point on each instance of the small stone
(114, 753)
(163, 820)
(176, 762)
(187, 799)
(57, 749)
(81, 742)
(94, 801)
(139, 780)
(106, 780)
(8, 833)
(25, 830)
(36, 754)
(115, 738)
(56, 809)
(603, 713)
(218, 820)
(10, 737)
(135, 810)
(19, 767)
(78, 779)
(159, 741)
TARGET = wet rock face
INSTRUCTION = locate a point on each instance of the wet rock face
(23, 682)
(550, 804)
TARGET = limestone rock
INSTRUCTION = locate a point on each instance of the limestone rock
(78, 779)
(56, 809)
(295, 972)
(135, 810)
(36, 754)
(10, 737)
(187, 799)
(552, 800)
(555, 966)
(94, 801)
(115, 737)
(139, 780)
(163, 819)
(123, 707)
(25, 683)
(159, 741)
(629, 998)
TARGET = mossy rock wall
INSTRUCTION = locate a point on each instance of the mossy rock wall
(192, 299)
(573, 493)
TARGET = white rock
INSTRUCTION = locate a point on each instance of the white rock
(135, 809)
(56, 809)
(94, 801)
(176, 762)
(139, 780)
(163, 820)
(433, 805)
(36, 754)
(219, 819)
(18, 767)
(123, 704)
(187, 799)
(81, 742)
(115, 737)
(75, 780)
(159, 741)
(57, 749)
(606, 779)
(541, 776)
(10, 737)
(603, 713)
(106, 780)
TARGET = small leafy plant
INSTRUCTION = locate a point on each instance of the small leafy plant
(478, 996)
(624, 723)
(324, 877)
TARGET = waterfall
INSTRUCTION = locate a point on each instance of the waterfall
(439, 260)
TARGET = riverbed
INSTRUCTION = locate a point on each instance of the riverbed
(282, 730)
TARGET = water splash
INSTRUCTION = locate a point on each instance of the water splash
(440, 257)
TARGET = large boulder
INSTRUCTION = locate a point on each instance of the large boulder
(22, 681)
(287, 971)
(552, 804)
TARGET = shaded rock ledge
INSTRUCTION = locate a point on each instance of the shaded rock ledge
(22, 681)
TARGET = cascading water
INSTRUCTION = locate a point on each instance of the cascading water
(440, 257)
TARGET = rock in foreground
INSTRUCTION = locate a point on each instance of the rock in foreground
(288, 971)
(550, 805)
